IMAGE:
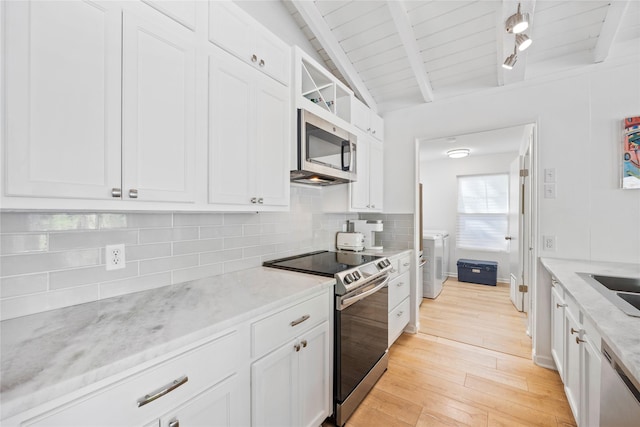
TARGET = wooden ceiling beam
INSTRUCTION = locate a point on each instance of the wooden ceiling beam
(609, 29)
(405, 31)
(316, 23)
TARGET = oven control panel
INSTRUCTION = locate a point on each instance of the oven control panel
(355, 277)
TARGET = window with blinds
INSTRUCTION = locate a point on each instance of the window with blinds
(483, 209)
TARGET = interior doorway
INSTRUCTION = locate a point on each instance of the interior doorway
(509, 150)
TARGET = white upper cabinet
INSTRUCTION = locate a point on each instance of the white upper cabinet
(241, 35)
(365, 119)
(367, 191)
(158, 111)
(100, 103)
(248, 136)
(62, 99)
(183, 12)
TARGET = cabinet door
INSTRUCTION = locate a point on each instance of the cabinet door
(183, 11)
(360, 188)
(272, 139)
(376, 181)
(572, 364)
(274, 56)
(557, 330)
(377, 126)
(315, 376)
(274, 388)
(223, 405)
(158, 111)
(590, 381)
(231, 130)
(360, 115)
(62, 98)
(230, 29)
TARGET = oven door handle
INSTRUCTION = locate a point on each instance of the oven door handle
(346, 302)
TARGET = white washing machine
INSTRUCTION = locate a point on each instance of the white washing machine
(445, 250)
(433, 275)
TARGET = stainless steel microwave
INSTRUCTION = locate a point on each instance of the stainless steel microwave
(325, 154)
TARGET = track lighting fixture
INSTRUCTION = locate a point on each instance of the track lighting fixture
(518, 22)
(523, 41)
(511, 60)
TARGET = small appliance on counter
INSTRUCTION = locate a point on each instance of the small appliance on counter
(350, 241)
(368, 228)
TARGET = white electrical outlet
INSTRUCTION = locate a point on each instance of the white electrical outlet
(114, 257)
(549, 243)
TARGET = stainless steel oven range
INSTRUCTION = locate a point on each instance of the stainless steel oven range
(360, 320)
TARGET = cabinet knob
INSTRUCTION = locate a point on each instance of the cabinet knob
(373, 206)
(374, 131)
(116, 192)
(297, 347)
(560, 305)
(400, 313)
(174, 423)
(254, 200)
(260, 200)
(304, 343)
(133, 193)
(261, 63)
(578, 340)
(400, 284)
(254, 58)
(575, 331)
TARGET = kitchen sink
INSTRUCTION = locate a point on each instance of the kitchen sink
(623, 292)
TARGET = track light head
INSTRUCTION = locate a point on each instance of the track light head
(518, 22)
(523, 42)
(510, 61)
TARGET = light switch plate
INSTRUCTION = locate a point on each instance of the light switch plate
(550, 175)
(549, 191)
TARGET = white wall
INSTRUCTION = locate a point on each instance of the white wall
(579, 120)
(440, 201)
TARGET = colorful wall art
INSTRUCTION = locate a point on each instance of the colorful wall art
(631, 153)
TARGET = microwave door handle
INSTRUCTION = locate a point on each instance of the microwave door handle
(347, 166)
(342, 155)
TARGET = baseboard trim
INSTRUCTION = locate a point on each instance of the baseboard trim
(544, 361)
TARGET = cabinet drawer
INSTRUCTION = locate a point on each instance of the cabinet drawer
(280, 327)
(398, 289)
(404, 263)
(117, 404)
(398, 319)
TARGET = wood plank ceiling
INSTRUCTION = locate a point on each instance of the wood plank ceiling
(403, 53)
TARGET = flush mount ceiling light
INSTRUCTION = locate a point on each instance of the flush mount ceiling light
(523, 42)
(458, 153)
(518, 22)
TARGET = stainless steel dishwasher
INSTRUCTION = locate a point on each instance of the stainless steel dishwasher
(619, 393)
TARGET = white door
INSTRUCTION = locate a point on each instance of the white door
(376, 182)
(158, 111)
(231, 130)
(360, 188)
(515, 221)
(274, 392)
(63, 98)
(272, 139)
(315, 376)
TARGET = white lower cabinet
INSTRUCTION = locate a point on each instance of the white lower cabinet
(399, 295)
(291, 385)
(575, 348)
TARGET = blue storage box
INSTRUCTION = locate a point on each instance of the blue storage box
(480, 272)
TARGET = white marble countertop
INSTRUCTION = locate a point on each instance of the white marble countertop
(620, 331)
(50, 354)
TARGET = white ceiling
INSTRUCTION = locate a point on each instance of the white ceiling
(399, 53)
(505, 140)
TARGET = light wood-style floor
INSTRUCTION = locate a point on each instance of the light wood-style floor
(469, 366)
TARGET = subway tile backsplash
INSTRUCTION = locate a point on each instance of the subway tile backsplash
(53, 260)
(397, 231)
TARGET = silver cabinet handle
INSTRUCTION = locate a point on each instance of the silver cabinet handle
(254, 58)
(260, 200)
(400, 284)
(261, 63)
(374, 131)
(373, 206)
(162, 391)
(578, 340)
(400, 313)
(406, 264)
(560, 305)
(300, 320)
(575, 331)
(304, 343)
(133, 193)
(174, 423)
(116, 192)
(254, 200)
(297, 347)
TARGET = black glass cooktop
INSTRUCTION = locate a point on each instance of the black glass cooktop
(322, 263)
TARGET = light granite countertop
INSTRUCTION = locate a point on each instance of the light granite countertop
(620, 331)
(47, 355)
